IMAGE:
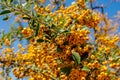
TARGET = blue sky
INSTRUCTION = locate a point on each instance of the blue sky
(112, 8)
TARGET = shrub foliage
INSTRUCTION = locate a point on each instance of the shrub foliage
(64, 43)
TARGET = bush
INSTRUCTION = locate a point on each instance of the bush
(60, 44)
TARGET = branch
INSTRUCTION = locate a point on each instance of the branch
(15, 9)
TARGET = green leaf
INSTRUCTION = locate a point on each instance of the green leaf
(48, 18)
(115, 57)
(28, 38)
(86, 68)
(5, 12)
(40, 40)
(59, 49)
(62, 30)
(3, 33)
(6, 18)
(3, 0)
(32, 23)
(84, 28)
(27, 0)
(66, 70)
(86, 0)
(37, 30)
(26, 18)
(76, 57)
(17, 13)
(65, 43)
(11, 1)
